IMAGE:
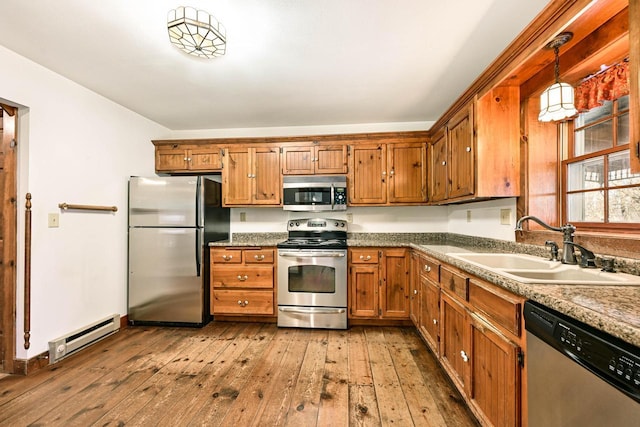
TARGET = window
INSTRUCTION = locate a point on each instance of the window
(600, 190)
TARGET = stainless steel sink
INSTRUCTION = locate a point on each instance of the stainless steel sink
(573, 275)
(531, 269)
(510, 261)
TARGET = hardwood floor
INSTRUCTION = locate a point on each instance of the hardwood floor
(240, 374)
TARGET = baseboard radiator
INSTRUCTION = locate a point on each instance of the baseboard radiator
(81, 338)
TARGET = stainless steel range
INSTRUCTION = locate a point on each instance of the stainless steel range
(312, 274)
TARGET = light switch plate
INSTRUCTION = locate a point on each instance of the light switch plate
(505, 216)
(350, 218)
(54, 220)
(243, 216)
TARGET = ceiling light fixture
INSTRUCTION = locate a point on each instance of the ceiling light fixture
(196, 32)
(557, 101)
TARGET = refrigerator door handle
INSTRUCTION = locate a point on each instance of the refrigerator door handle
(199, 203)
(198, 251)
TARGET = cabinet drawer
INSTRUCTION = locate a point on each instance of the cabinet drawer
(225, 301)
(259, 256)
(364, 256)
(429, 269)
(498, 305)
(454, 282)
(242, 277)
(226, 256)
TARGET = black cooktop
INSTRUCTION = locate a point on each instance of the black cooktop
(316, 233)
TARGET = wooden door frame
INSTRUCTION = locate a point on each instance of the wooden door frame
(9, 232)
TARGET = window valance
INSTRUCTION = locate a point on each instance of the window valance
(605, 86)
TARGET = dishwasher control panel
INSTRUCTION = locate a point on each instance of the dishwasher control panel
(605, 356)
(610, 358)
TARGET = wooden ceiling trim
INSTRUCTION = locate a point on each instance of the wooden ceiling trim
(606, 45)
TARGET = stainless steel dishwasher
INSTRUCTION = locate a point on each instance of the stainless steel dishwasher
(577, 375)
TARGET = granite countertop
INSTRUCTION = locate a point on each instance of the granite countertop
(613, 309)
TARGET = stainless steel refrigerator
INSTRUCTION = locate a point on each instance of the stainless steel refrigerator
(171, 221)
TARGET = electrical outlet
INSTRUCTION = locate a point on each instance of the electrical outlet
(54, 220)
(468, 216)
(243, 216)
(349, 218)
(505, 216)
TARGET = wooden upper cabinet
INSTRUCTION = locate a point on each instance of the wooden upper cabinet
(368, 174)
(251, 176)
(267, 181)
(634, 84)
(236, 176)
(438, 167)
(461, 146)
(407, 172)
(477, 154)
(387, 173)
(313, 158)
(188, 158)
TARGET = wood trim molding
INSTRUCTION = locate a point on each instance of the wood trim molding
(337, 138)
(27, 272)
(32, 365)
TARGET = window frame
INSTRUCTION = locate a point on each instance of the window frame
(569, 158)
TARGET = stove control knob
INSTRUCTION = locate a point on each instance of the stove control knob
(342, 224)
(336, 224)
(297, 224)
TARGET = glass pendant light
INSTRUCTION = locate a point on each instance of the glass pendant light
(557, 101)
(196, 32)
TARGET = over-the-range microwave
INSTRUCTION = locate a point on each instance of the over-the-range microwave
(314, 193)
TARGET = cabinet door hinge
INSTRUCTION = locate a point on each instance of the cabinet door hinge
(379, 312)
(521, 359)
(281, 150)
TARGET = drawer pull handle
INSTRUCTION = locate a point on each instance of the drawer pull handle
(259, 257)
(435, 321)
(367, 258)
(427, 268)
(243, 278)
(243, 303)
(415, 292)
(464, 356)
(227, 257)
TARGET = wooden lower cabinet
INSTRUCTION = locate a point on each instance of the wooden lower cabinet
(430, 313)
(425, 299)
(379, 283)
(475, 330)
(494, 374)
(242, 281)
(453, 340)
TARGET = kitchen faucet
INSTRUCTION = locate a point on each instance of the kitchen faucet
(587, 258)
(568, 253)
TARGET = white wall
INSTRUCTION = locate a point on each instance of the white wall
(405, 219)
(74, 146)
(484, 219)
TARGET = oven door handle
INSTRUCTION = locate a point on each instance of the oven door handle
(319, 310)
(312, 254)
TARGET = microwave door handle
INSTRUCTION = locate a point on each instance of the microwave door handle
(332, 196)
